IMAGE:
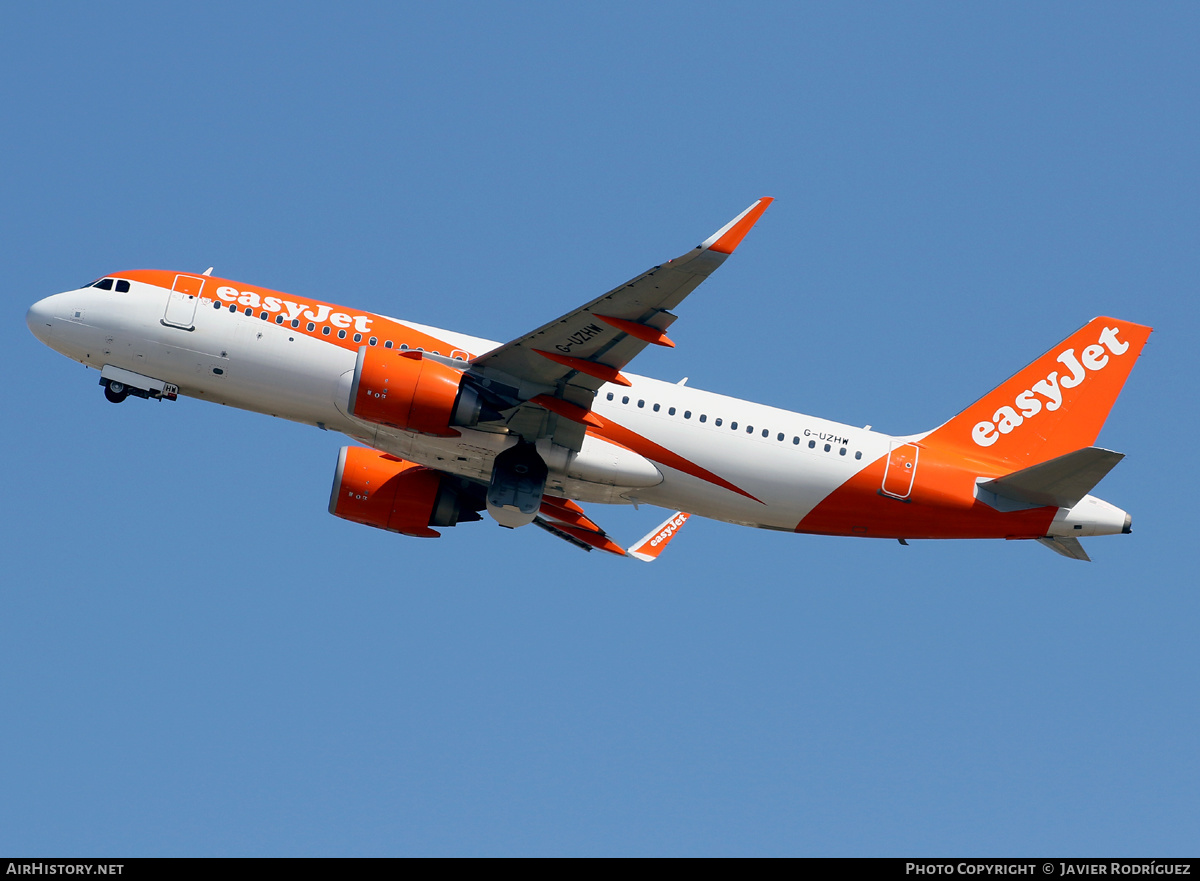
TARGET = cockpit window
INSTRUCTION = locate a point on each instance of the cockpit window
(106, 284)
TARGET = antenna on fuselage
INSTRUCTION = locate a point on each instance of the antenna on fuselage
(207, 271)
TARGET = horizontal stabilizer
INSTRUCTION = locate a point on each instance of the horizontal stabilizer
(1067, 546)
(1059, 482)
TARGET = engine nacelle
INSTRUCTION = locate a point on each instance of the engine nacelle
(408, 391)
(379, 490)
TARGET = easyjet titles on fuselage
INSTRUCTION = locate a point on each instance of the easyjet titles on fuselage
(293, 311)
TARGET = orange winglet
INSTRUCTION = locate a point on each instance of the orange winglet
(728, 237)
(648, 549)
(567, 410)
(591, 368)
(643, 332)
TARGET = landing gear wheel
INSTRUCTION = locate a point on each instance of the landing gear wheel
(116, 391)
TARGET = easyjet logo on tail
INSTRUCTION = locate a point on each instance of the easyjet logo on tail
(1029, 403)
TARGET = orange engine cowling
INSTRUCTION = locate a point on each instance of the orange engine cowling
(379, 490)
(406, 390)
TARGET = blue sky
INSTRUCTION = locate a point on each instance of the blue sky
(196, 659)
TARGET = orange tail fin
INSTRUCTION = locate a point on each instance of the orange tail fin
(1055, 405)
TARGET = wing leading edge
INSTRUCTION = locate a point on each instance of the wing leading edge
(568, 359)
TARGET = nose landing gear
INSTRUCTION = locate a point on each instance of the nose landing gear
(115, 391)
(119, 384)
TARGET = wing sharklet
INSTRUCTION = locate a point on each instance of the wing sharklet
(655, 541)
(727, 238)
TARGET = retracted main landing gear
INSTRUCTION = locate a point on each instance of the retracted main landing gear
(518, 481)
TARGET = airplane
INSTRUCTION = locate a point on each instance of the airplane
(448, 425)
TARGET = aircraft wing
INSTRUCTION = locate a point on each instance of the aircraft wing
(566, 520)
(567, 360)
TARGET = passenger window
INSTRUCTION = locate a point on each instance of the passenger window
(249, 311)
(733, 426)
(766, 432)
(216, 304)
(625, 399)
(388, 344)
(311, 327)
(703, 418)
(641, 404)
(358, 339)
(610, 396)
(812, 445)
(749, 429)
(404, 345)
(122, 286)
(341, 334)
(233, 307)
(717, 422)
(325, 330)
(671, 411)
(373, 340)
(858, 454)
(796, 440)
(263, 316)
(842, 451)
(827, 448)
(657, 407)
(780, 436)
(279, 319)
(295, 322)
(105, 284)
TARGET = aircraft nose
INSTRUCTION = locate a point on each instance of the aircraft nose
(38, 318)
(47, 313)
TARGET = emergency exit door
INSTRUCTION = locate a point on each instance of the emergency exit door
(181, 303)
(900, 472)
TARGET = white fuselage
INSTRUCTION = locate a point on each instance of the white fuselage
(781, 464)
